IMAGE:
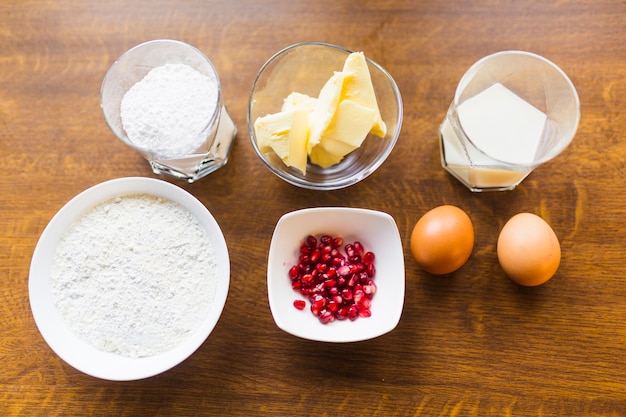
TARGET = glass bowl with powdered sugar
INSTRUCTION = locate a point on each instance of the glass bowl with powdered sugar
(323, 117)
(129, 278)
(163, 98)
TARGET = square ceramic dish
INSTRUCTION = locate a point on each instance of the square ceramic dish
(378, 233)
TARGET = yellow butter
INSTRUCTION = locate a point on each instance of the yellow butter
(334, 147)
(298, 138)
(358, 87)
(320, 156)
(326, 128)
(325, 107)
(272, 133)
(297, 100)
(351, 124)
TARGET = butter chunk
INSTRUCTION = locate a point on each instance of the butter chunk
(358, 87)
(351, 124)
(298, 138)
(320, 156)
(297, 100)
(334, 147)
(325, 108)
(272, 133)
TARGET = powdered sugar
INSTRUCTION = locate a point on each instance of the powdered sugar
(168, 111)
(134, 275)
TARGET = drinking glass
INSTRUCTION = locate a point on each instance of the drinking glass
(512, 111)
(211, 145)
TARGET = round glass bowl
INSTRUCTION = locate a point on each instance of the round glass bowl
(305, 68)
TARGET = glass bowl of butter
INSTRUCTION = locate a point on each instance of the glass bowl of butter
(323, 117)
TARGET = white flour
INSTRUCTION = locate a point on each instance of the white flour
(134, 275)
(168, 111)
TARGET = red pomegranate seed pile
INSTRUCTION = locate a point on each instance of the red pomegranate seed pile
(338, 286)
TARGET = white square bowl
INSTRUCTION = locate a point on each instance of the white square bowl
(378, 233)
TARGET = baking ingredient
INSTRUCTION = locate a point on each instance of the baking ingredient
(504, 128)
(358, 87)
(442, 240)
(337, 121)
(338, 286)
(502, 124)
(134, 275)
(528, 249)
(167, 112)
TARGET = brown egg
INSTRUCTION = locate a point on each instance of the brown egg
(528, 250)
(442, 240)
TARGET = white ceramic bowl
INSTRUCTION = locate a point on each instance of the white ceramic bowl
(377, 231)
(55, 330)
(305, 67)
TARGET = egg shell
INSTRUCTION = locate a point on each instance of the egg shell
(528, 250)
(442, 240)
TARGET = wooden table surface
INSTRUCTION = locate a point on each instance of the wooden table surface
(470, 344)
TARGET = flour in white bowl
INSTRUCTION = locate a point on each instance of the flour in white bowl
(134, 275)
(168, 110)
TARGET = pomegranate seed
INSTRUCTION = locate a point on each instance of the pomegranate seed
(358, 248)
(369, 257)
(339, 286)
(318, 301)
(369, 288)
(331, 272)
(307, 280)
(294, 272)
(326, 316)
(371, 270)
(316, 311)
(343, 270)
(353, 280)
(330, 283)
(356, 259)
(353, 313)
(338, 262)
(365, 303)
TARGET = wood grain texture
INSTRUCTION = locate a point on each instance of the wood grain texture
(471, 344)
